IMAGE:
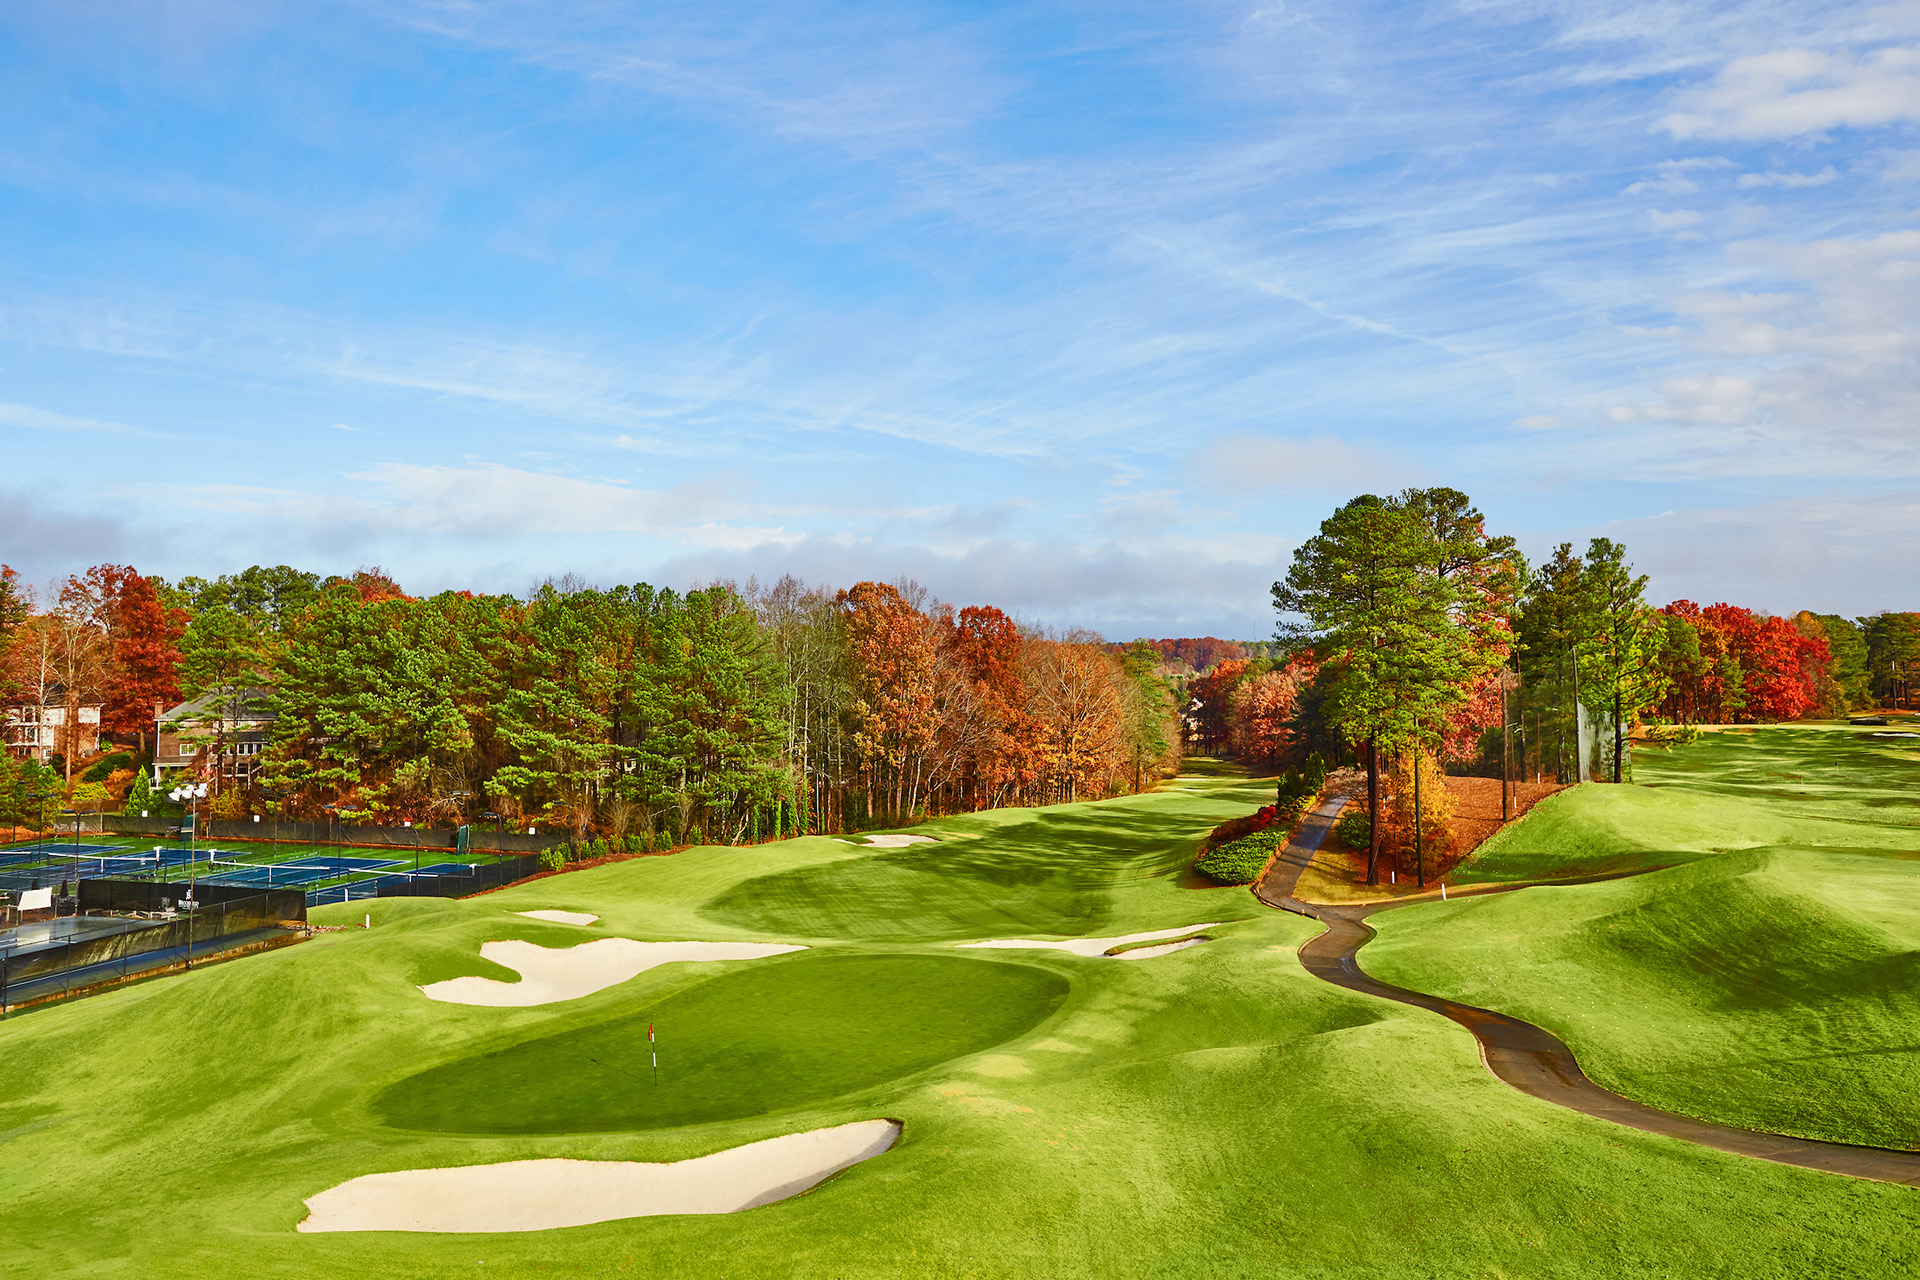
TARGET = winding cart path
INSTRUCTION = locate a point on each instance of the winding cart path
(1530, 1058)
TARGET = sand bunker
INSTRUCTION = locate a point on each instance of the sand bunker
(540, 1195)
(1165, 948)
(1100, 946)
(561, 917)
(890, 841)
(549, 975)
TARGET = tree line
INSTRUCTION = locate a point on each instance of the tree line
(1410, 634)
(722, 713)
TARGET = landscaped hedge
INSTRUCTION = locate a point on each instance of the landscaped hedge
(1238, 848)
(1241, 861)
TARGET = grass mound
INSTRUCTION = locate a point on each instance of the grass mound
(770, 1037)
(1775, 786)
(1769, 989)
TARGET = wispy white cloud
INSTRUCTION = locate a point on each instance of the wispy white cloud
(1670, 220)
(1819, 373)
(1825, 551)
(1794, 92)
(27, 418)
(1244, 462)
(1791, 181)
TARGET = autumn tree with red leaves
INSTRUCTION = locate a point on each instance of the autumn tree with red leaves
(895, 650)
(144, 636)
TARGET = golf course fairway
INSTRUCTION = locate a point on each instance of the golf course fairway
(1211, 1112)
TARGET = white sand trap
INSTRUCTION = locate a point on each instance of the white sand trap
(540, 1195)
(549, 975)
(889, 841)
(561, 917)
(1095, 946)
(1164, 949)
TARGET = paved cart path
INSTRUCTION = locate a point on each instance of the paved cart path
(1276, 883)
(1532, 1059)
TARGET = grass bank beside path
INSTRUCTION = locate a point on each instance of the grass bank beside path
(1213, 1112)
(1767, 980)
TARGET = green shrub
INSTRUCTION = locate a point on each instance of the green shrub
(1354, 828)
(599, 849)
(100, 769)
(553, 858)
(1241, 861)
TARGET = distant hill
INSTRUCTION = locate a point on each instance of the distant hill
(1195, 652)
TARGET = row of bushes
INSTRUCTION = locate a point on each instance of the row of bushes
(1238, 849)
(1241, 861)
(557, 857)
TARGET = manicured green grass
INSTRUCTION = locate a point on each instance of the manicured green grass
(1767, 980)
(1212, 1113)
(1771, 989)
(1821, 787)
(769, 1037)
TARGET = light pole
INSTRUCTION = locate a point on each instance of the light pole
(39, 830)
(190, 794)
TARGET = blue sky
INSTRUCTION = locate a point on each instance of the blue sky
(1092, 311)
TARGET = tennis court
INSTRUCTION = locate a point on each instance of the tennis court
(272, 875)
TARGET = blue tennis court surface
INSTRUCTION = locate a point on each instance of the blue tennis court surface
(63, 847)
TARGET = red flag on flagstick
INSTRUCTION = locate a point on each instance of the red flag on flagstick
(649, 1033)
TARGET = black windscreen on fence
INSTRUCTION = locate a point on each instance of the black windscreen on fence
(47, 958)
(488, 875)
(146, 895)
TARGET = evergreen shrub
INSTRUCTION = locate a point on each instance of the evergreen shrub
(1354, 828)
(104, 768)
(1241, 861)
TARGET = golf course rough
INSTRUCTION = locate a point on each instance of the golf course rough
(1216, 1112)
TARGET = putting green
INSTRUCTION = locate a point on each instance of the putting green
(771, 1037)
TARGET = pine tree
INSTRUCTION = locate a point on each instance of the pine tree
(1624, 667)
(1405, 600)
